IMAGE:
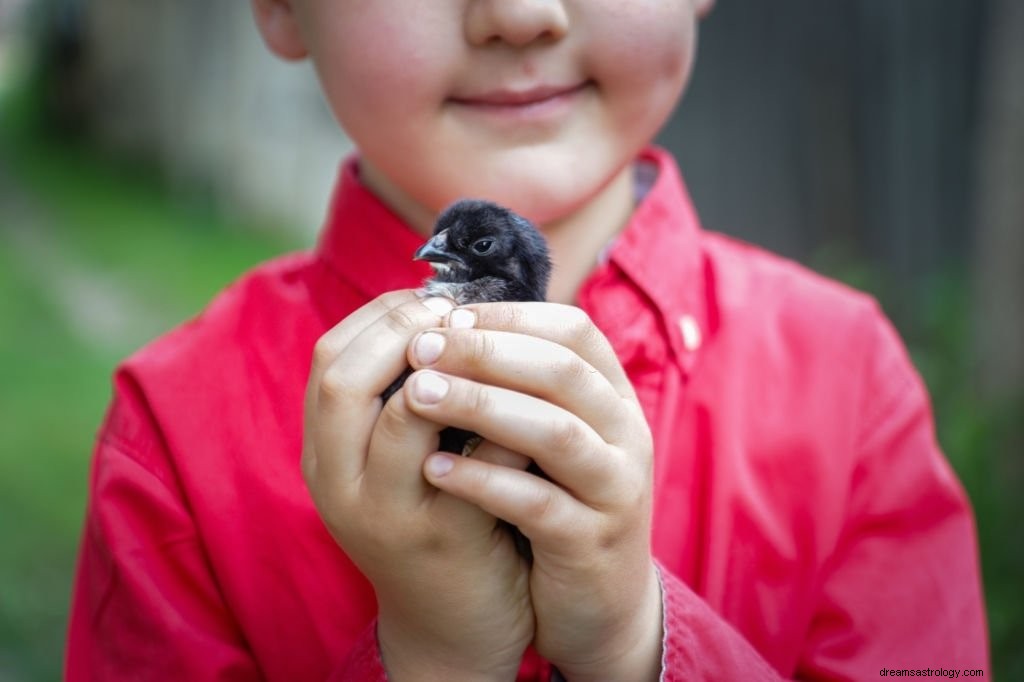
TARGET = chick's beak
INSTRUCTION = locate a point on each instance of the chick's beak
(436, 250)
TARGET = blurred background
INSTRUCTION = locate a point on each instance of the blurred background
(152, 151)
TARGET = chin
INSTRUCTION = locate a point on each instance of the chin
(541, 197)
(537, 202)
(543, 208)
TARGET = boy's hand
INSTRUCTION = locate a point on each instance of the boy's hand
(453, 595)
(541, 380)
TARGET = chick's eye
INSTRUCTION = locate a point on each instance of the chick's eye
(483, 246)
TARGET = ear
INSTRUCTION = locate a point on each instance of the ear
(279, 28)
(704, 8)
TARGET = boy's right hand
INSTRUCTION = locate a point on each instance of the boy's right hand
(453, 594)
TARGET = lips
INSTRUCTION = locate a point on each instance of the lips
(519, 97)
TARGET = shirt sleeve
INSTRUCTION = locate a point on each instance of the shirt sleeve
(364, 663)
(699, 645)
(146, 605)
(902, 589)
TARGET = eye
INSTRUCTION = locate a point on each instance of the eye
(483, 246)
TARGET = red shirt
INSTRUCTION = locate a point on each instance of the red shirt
(805, 521)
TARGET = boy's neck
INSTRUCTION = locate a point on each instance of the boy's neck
(574, 241)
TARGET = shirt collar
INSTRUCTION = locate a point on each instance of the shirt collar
(660, 252)
(371, 248)
(366, 244)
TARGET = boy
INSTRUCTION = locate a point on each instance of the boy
(743, 483)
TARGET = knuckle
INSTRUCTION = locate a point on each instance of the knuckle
(578, 321)
(579, 328)
(324, 351)
(393, 421)
(576, 370)
(401, 320)
(541, 507)
(479, 401)
(480, 348)
(479, 478)
(610, 537)
(513, 317)
(334, 387)
(548, 517)
(565, 435)
(507, 316)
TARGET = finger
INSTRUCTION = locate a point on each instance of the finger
(544, 512)
(528, 364)
(399, 442)
(464, 518)
(562, 444)
(347, 396)
(565, 325)
(492, 453)
(338, 337)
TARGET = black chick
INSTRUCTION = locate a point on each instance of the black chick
(482, 252)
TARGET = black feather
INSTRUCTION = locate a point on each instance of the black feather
(482, 252)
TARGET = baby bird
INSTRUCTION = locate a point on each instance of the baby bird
(482, 252)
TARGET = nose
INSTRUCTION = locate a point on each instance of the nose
(516, 22)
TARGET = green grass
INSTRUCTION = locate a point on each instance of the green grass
(42, 467)
(122, 221)
(173, 256)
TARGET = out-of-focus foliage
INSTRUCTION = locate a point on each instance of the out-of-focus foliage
(83, 242)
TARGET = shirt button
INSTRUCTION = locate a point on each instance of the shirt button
(691, 332)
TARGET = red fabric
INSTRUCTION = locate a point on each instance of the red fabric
(806, 523)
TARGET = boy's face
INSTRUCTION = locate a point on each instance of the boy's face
(535, 104)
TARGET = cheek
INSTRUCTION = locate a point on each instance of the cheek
(379, 64)
(645, 52)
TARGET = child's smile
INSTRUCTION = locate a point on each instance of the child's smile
(520, 111)
(536, 105)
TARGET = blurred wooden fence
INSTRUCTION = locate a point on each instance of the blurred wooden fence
(189, 83)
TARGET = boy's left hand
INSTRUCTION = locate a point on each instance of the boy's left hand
(541, 380)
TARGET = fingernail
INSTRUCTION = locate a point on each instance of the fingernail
(428, 347)
(461, 319)
(430, 387)
(439, 465)
(438, 305)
